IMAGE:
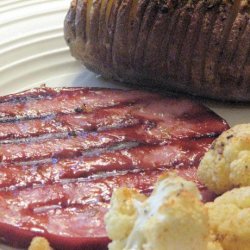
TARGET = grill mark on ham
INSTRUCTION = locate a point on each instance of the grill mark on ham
(99, 120)
(81, 191)
(76, 209)
(103, 119)
(68, 102)
(57, 172)
(132, 157)
(73, 146)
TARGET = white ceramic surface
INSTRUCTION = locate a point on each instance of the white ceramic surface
(33, 51)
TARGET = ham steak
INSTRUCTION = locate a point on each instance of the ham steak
(63, 151)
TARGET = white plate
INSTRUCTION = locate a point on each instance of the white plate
(33, 51)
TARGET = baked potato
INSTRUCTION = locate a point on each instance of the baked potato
(197, 47)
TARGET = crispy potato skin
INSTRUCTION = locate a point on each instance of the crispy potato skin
(197, 47)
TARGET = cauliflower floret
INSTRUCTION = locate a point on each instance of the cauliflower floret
(229, 218)
(173, 218)
(227, 164)
(214, 245)
(39, 243)
(121, 216)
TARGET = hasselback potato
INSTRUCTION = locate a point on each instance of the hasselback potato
(198, 47)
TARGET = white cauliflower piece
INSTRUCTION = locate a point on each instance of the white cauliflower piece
(229, 218)
(121, 216)
(173, 218)
(214, 245)
(227, 164)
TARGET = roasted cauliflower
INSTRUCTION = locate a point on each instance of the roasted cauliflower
(173, 218)
(121, 217)
(227, 164)
(39, 243)
(229, 217)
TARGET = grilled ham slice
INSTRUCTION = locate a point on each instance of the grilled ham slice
(63, 151)
(198, 47)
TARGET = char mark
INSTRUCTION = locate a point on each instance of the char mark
(121, 157)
